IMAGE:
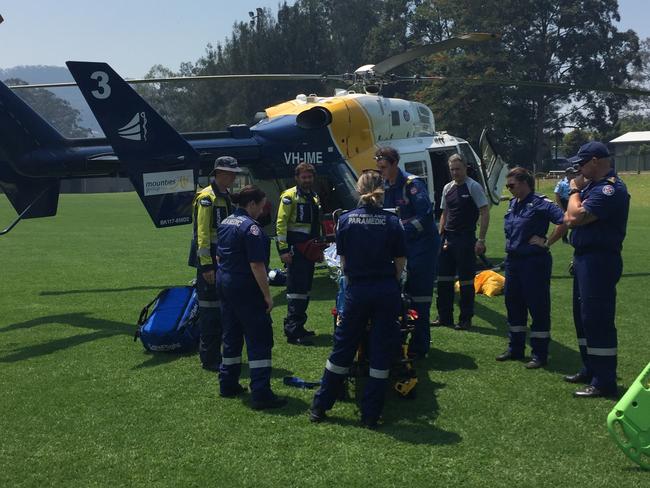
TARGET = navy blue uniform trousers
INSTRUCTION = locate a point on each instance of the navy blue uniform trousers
(594, 308)
(528, 289)
(377, 303)
(243, 316)
(421, 264)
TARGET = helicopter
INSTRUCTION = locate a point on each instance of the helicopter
(337, 134)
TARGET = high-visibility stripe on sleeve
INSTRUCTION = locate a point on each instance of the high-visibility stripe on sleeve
(203, 252)
(209, 304)
(231, 361)
(260, 363)
(582, 341)
(297, 296)
(517, 328)
(423, 299)
(380, 374)
(301, 230)
(280, 238)
(417, 224)
(446, 278)
(602, 351)
(333, 368)
(540, 335)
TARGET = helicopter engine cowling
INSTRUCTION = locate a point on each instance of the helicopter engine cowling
(314, 118)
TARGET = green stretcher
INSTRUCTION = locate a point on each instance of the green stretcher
(629, 421)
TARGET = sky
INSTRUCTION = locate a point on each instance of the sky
(134, 35)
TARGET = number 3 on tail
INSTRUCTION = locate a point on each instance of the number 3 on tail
(104, 90)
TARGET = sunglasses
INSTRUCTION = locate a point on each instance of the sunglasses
(582, 163)
(382, 158)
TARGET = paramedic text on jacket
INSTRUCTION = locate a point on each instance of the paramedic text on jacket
(243, 253)
(597, 211)
(299, 220)
(210, 206)
(372, 247)
(409, 195)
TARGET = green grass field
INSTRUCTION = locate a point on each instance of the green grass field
(81, 404)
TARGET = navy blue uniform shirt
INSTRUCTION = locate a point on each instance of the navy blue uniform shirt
(528, 218)
(608, 200)
(410, 196)
(241, 241)
(370, 239)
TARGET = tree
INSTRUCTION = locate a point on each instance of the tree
(559, 41)
(58, 112)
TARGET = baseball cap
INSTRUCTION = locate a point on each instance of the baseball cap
(593, 149)
(226, 163)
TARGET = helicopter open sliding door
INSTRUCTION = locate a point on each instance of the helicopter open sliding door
(440, 174)
(493, 168)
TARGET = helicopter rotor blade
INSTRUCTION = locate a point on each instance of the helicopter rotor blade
(276, 76)
(393, 62)
(638, 92)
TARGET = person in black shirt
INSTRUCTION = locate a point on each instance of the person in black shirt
(463, 202)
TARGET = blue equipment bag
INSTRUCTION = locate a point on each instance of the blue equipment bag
(172, 325)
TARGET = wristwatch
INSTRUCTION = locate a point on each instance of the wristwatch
(573, 190)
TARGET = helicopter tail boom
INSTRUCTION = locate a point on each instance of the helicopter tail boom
(22, 130)
(22, 133)
(161, 164)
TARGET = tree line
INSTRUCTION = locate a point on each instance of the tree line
(559, 41)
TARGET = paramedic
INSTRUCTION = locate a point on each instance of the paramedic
(528, 267)
(371, 243)
(598, 209)
(243, 255)
(409, 195)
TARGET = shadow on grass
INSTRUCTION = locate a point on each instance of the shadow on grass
(440, 360)
(407, 420)
(323, 289)
(103, 328)
(104, 290)
(563, 359)
(295, 407)
(160, 358)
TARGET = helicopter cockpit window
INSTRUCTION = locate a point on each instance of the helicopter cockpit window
(425, 117)
(244, 178)
(394, 115)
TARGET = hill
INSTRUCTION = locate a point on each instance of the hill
(55, 74)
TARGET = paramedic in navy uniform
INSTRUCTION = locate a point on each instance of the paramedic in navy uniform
(410, 196)
(528, 267)
(463, 201)
(372, 247)
(597, 212)
(243, 253)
